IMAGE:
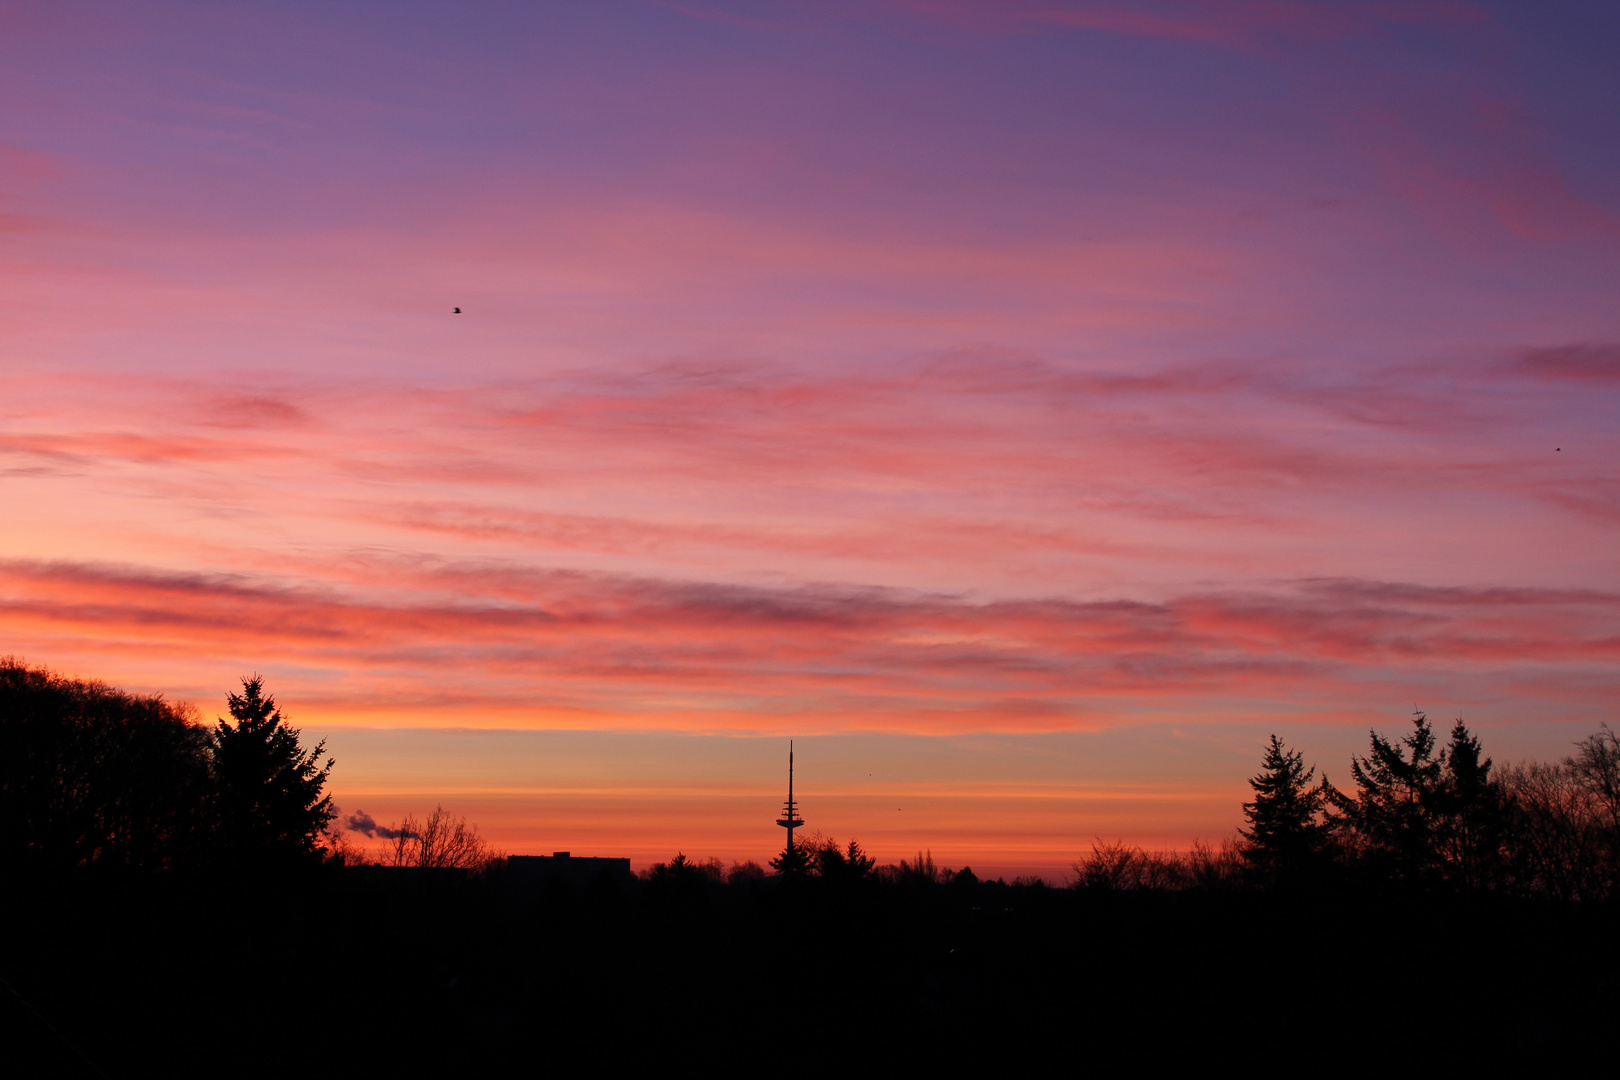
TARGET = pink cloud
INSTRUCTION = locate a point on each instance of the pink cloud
(981, 471)
(624, 651)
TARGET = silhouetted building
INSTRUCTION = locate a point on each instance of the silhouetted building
(578, 871)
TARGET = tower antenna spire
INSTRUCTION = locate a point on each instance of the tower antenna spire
(790, 818)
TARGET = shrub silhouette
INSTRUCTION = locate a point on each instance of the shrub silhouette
(1121, 867)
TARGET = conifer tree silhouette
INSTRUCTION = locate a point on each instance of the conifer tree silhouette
(1471, 812)
(272, 808)
(793, 861)
(1284, 835)
(1391, 820)
(834, 863)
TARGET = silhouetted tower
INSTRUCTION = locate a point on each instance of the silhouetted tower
(790, 818)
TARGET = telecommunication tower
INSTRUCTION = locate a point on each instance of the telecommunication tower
(790, 818)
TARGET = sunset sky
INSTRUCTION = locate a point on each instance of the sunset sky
(1026, 407)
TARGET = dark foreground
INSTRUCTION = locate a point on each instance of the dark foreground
(345, 973)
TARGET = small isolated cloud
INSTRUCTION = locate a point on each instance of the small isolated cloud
(363, 823)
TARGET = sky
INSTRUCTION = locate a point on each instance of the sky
(1025, 407)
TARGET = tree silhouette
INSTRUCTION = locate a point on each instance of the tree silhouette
(1113, 867)
(684, 883)
(1559, 837)
(1390, 822)
(272, 809)
(1470, 810)
(794, 861)
(1597, 767)
(840, 864)
(93, 777)
(920, 872)
(1285, 834)
(442, 842)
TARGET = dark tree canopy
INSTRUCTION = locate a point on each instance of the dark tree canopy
(272, 806)
(849, 863)
(94, 778)
(1426, 816)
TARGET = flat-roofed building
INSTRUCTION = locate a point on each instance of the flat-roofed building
(579, 871)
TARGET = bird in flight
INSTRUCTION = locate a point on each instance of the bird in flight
(457, 311)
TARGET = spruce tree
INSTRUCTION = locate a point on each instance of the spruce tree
(1391, 820)
(1284, 836)
(793, 862)
(1471, 814)
(271, 804)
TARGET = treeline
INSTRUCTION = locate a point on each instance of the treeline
(819, 858)
(1421, 818)
(94, 780)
